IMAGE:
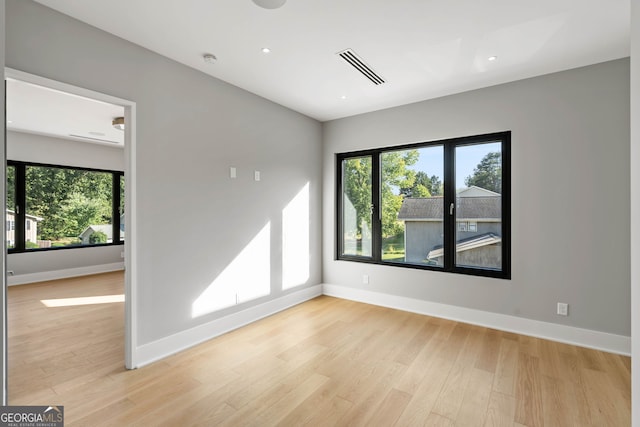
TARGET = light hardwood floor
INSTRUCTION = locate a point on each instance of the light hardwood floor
(325, 362)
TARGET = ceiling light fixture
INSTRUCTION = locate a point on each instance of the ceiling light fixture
(492, 58)
(209, 58)
(270, 4)
(343, 97)
(118, 123)
(266, 50)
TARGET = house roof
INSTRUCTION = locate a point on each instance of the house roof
(432, 208)
(33, 217)
(475, 191)
(467, 244)
(104, 228)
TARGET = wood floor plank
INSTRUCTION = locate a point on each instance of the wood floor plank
(437, 420)
(390, 409)
(504, 380)
(529, 391)
(501, 410)
(476, 399)
(325, 362)
(427, 393)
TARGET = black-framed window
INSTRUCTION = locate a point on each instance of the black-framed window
(441, 205)
(58, 207)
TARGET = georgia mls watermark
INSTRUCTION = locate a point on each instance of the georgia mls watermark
(31, 416)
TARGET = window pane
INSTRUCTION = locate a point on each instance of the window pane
(479, 202)
(121, 209)
(412, 205)
(356, 206)
(67, 207)
(10, 218)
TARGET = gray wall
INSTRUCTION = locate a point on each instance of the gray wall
(42, 149)
(27, 147)
(570, 195)
(193, 221)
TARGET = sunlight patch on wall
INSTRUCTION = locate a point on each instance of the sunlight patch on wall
(70, 302)
(247, 277)
(295, 240)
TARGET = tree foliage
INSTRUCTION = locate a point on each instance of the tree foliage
(356, 182)
(11, 187)
(68, 200)
(423, 186)
(97, 237)
(488, 173)
(395, 174)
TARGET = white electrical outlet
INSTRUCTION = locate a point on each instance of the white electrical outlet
(232, 172)
(563, 309)
(365, 279)
(256, 175)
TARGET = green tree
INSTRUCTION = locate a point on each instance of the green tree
(488, 173)
(356, 182)
(69, 200)
(11, 187)
(78, 212)
(97, 237)
(423, 186)
(395, 175)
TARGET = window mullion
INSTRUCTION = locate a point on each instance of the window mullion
(115, 208)
(21, 207)
(376, 207)
(449, 214)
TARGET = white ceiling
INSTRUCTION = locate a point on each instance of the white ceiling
(40, 110)
(423, 48)
(36, 109)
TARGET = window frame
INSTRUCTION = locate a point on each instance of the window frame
(449, 221)
(21, 197)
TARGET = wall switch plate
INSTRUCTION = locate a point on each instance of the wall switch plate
(232, 172)
(256, 175)
(365, 279)
(563, 309)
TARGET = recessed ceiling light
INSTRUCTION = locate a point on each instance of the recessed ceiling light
(209, 58)
(343, 97)
(266, 50)
(270, 4)
(492, 58)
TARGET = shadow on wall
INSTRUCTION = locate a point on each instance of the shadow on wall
(248, 275)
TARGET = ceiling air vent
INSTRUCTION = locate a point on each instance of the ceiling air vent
(93, 139)
(354, 60)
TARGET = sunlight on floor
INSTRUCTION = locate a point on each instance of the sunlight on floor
(70, 302)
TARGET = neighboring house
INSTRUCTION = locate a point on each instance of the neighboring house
(30, 232)
(107, 229)
(478, 225)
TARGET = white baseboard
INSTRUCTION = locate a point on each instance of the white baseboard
(611, 343)
(44, 276)
(180, 341)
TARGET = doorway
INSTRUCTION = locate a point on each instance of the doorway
(128, 139)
